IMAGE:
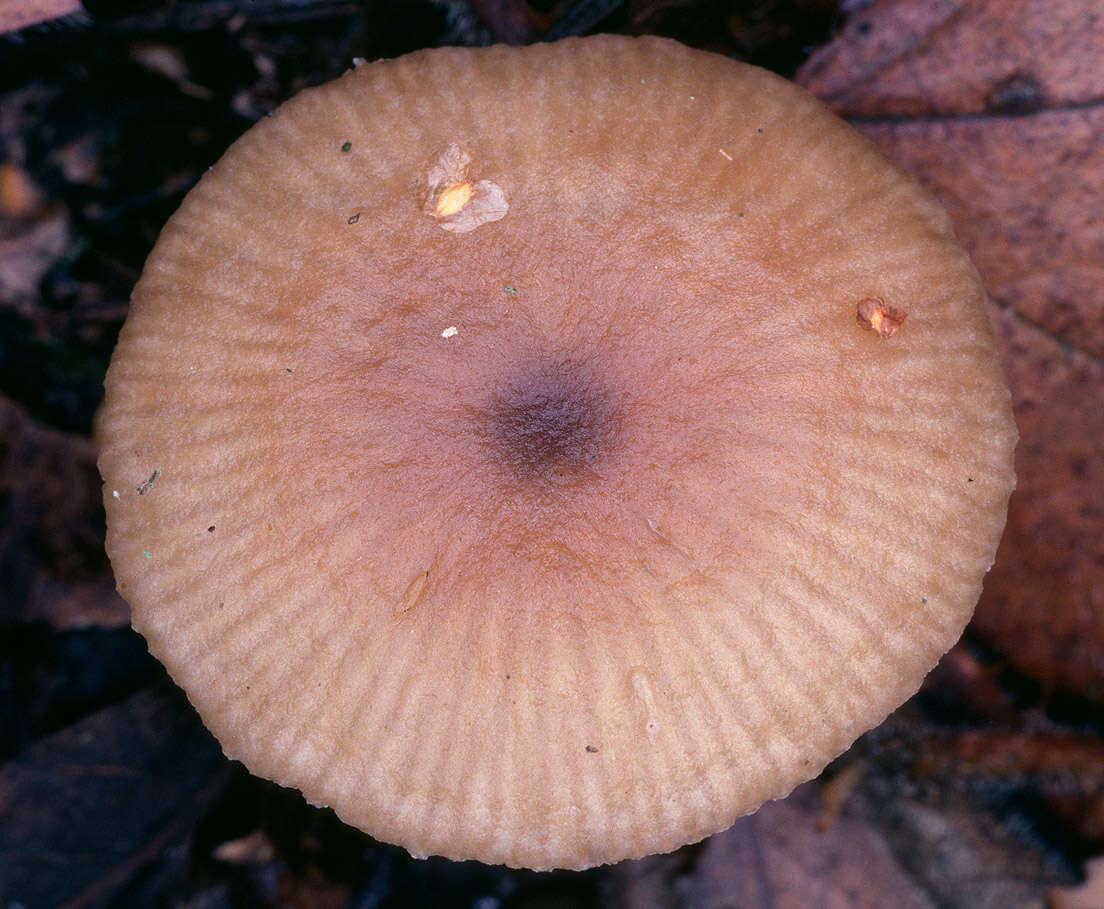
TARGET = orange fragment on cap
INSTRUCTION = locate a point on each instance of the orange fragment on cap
(453, 198)
(873, 313)
(594, 576)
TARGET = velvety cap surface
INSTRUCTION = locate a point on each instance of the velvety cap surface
(547, 455)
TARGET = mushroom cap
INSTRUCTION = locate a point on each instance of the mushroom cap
(548, 455)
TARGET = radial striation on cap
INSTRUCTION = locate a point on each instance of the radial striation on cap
(548, 455)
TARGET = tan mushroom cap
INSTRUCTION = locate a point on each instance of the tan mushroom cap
(547, 455)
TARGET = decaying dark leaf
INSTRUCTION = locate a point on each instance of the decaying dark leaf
(962, 856)
(51, 528)
(83, 810)
(1064, 770)
(29, 247)
(778, 858)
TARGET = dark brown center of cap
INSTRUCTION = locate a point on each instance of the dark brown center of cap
(550, 421)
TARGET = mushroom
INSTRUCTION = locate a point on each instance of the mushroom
(497, 450)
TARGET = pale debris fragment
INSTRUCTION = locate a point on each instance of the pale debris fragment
(414, 591)
(450, 332)
(458, 203)
(835, 793)
(666, 538)
(725, 154)
(642, 688)
(256, 848)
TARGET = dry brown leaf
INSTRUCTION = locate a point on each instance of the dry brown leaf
(998, 107)
(1044, 599)
(908, 58)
